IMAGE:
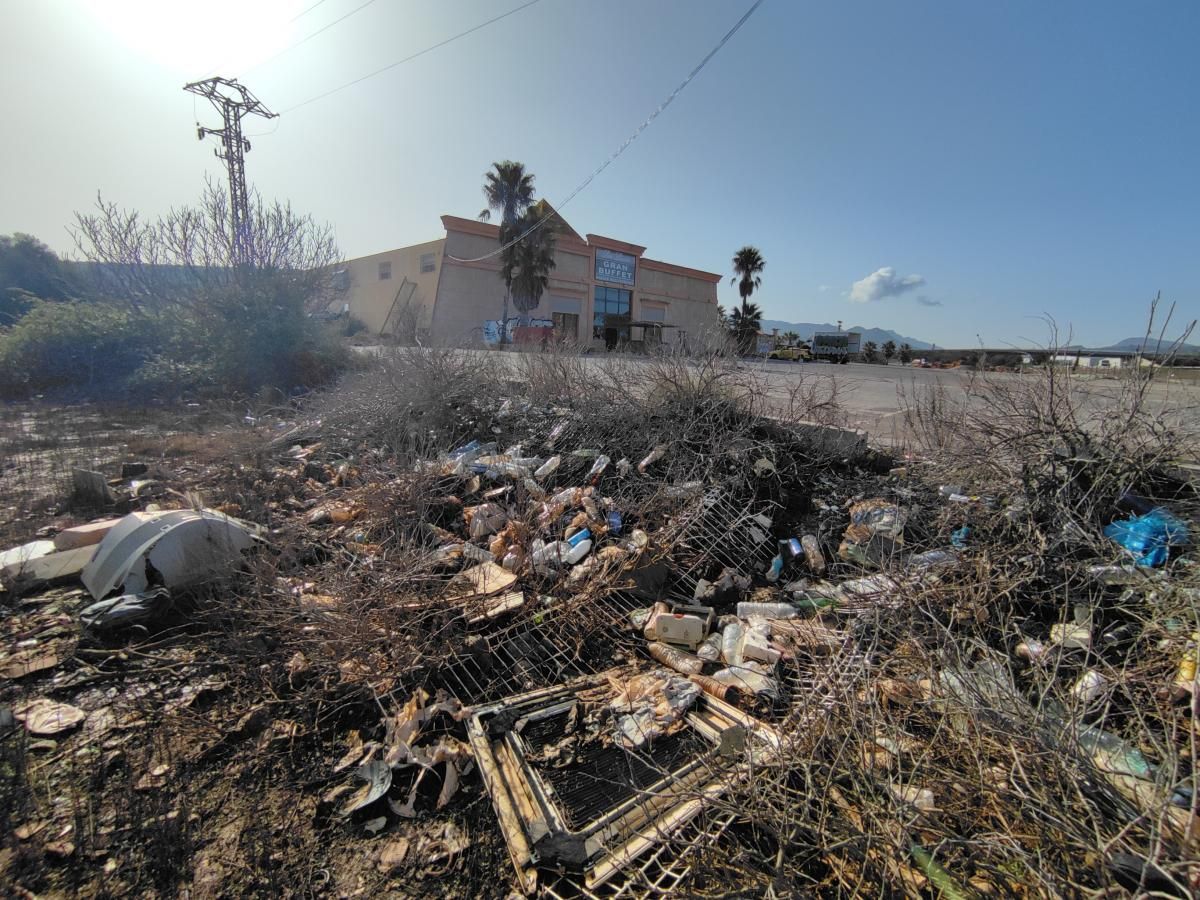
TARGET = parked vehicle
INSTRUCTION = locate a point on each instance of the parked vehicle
(836, 346)
(795, 354)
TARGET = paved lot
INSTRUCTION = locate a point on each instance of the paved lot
(872, 396)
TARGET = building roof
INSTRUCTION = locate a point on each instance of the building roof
(570, 240)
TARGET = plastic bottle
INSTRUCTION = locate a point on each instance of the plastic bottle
(566, 497)
(579, 537)
(812, 553)
(578, 552)
(552, 554)
(547, 468)
(748, 678)
(681, 662)
(534, 489)
(465, 449)
(652, 457)
(585, 453)
(478, 554)
(615, 523)
(598, 468)
(710, 648)
(748, 608)
(790, 549)
(731, 644)
(1089, 686)
(775, 569)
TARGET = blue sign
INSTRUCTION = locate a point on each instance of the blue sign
(614, 266)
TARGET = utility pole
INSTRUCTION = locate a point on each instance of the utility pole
(233, 101)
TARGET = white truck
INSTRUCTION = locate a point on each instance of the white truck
(836, 346)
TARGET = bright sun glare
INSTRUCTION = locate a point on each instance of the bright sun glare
(196, 38)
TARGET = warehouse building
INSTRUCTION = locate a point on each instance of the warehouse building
(603, 293)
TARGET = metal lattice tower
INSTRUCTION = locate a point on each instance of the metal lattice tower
(233, 101)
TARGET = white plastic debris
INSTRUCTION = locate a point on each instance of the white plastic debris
(180, 548)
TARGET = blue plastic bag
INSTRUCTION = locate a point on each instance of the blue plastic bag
(1149, 537)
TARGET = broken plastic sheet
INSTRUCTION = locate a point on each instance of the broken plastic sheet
(649, 704)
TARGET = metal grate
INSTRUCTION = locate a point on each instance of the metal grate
(611, 775)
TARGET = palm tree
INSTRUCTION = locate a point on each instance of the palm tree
(790, 338)
(906, 354)
(889, 350)
(868, 351)
(508, 189)
(532, 260)
(745, 322)
(748, 263)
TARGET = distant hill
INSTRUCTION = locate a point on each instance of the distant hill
(1151, 346)
(878, 335)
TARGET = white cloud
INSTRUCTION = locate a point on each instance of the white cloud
(823, 288)
(883, 283)
(926, 301)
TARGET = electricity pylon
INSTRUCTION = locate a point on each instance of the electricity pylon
(233, 101)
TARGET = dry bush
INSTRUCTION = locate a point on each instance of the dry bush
(1072, 447)
(412, 402)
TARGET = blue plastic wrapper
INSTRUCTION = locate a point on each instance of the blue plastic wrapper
(1149, 537)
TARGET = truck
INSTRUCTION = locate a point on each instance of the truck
(836, 346)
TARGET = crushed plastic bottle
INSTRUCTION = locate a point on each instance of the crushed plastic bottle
(812, 553)
(747, 608)
(598, 468)
(547, 468)
(579, 537)
(710, 648)
(775, 570)
(652, 457)
(478, 554)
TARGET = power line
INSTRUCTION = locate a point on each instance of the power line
(304, 12)
(629, 140)
(406, 59)
(305, 40)
(295, 18)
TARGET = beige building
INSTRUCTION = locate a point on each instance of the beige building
(601, 293)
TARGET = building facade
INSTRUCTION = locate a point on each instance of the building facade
(603, 293)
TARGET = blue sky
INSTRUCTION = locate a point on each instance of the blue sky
(949, 170)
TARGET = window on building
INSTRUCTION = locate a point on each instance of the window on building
(566, 326)
(428, 263)
(385, 271)
(653, 312)
(611, 315)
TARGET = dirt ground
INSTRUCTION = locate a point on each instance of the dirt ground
(925, 752)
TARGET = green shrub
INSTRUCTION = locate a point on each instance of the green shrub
(72, 347)
(58, 346)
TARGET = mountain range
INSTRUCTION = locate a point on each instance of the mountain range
(1151, 346)
(879, 335)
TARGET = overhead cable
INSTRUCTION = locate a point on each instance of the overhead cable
(410, 58)
(629, 140)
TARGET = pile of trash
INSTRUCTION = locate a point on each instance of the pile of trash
(611, 633)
